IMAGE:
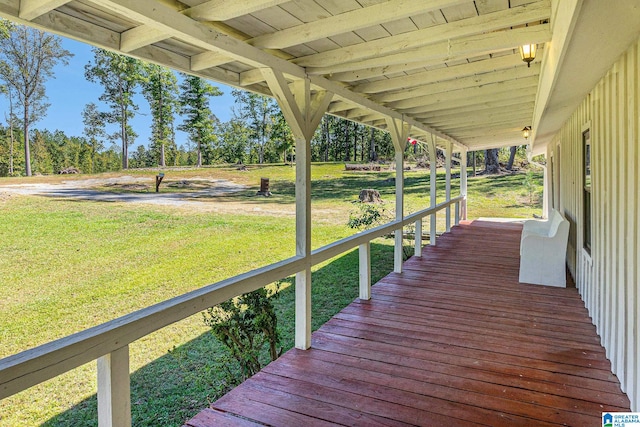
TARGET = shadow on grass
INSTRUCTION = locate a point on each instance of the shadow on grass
(176, 386)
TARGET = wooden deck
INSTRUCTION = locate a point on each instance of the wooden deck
(454, 340)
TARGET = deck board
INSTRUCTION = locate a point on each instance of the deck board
(453, 340)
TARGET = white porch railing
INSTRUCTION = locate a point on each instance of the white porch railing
(109, 343)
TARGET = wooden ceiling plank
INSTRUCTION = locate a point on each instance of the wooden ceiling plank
(483, 92)
(441, 33)
(461, 83)
(223, 10)
(31, 9)
(441, 74)
(462, 102)
(498, 120)
(477, 109)
(348, 22)
(482, 116)
(469, 46)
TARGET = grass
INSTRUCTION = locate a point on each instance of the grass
(68, 265)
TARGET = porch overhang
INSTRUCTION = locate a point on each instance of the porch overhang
(449, 68)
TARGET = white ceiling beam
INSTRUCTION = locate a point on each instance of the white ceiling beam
(464, 47)
(482, 92)
(483, 117)
(208, 59)
(440, 74)
(476, 111)
(462, 83)
(31, 9)
(251, 77)
(467, 128)
(175, 24)
(504, 19)
(138, 37)
(514, 133)
(214, 10)
(349, 21)
(223, 10)
(338, 106)
(463, 102)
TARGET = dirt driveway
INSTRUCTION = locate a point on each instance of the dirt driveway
(197, 195)
(86, 189)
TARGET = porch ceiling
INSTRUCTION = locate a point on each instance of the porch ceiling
(449, 67)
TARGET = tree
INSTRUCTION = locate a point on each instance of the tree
(27, 59)
(195, 94)
(233, 141)
(93, 130)
(491, 164)
(120, 76)
(11, 121)
(512, 157)
(258, 112)
(282, 135)
(160, 88)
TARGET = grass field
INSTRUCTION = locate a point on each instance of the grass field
(67, 265)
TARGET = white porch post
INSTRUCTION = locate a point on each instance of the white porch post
(364, 254)
(433, 159)
(399, 131)
(303, 111)
(463, 184)
(546, 190)
(417, 250)
(114, 390)
(447, 156)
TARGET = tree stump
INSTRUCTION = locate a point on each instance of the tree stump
(369, 195)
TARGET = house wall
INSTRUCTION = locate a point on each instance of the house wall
(609, 277)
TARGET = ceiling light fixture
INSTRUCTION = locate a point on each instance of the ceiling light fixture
(528, 53)
(526, 132)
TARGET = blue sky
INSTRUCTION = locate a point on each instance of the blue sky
(69, 92)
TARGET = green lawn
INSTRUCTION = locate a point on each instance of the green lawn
(68, 265)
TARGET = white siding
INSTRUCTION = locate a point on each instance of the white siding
(608, 279)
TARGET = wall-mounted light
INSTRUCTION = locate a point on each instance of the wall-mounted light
(526, 132)
(528, 53)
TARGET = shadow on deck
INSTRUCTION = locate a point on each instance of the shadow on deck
(454, 340)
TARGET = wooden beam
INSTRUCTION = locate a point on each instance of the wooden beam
(399, 131)
(462, 83)
(468, 94)
(452, 104)
(31, 9)
(441, 74)
(349, 21)
(209, 59)
(303, 110)
(138, 37)
(222, 10)
(464, 47)
(483, 116)
(483, 24)
(433, 190)
(474, 109)
(114, 390)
